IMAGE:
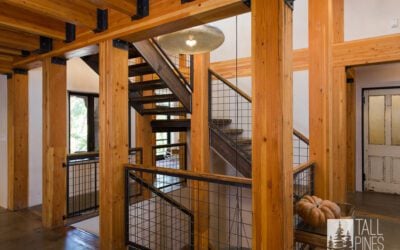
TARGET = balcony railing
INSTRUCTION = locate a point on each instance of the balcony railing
(167, 218)
(82, 176)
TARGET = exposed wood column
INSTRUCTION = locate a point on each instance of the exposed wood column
(272, 168)
(200, 147)
(351, 134)
(113, 65)
(327, 91)
(18, 126)
(54, 142)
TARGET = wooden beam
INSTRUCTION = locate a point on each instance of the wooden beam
(18, 151)
(272, 168)
(13, 18)
(165, 16)
(227, 69)
(127, 7)
(75, 12)
(10, 51)
(6, 58)
(18, 41)
(54, 143)
(200, 150)
(367, 51)
(113, 66)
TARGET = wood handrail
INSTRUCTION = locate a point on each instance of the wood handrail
(208, 177)
(301, 136)
(230, 85)
(302, 167)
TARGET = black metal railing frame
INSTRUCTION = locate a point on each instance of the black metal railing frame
(133, 172)
(89, 162)
(212, 74)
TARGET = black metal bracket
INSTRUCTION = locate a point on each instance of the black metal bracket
(59, 60)
(46, 45)
(121, 44)
(247, 3)
(20, 71)
(102, 20)
(290, 3)
(70, 32)
(9, 76)
(142, 9)
(25, 53)
(349, 80)
(186, 1)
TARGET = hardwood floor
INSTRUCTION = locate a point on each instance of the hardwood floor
(22, 230)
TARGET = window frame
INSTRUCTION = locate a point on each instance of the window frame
(90, 118)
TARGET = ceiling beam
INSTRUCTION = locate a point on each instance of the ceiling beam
(18, 41)
(13, 18)
(127, 7)
(6, 58)
(75, 12)
(165, 16)
(9, 51)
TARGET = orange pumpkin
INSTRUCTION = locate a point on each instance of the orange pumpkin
(316, 211)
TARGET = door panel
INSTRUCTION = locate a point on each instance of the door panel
(382, 140)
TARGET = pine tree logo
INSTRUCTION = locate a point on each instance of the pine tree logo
(340, 234)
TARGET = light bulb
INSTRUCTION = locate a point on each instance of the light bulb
(191, 42)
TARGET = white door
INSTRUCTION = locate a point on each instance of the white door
(382, 140)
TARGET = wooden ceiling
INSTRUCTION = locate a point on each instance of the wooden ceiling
(24, 24)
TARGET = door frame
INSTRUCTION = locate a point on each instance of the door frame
(363, 177)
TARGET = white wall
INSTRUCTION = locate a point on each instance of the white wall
(35, 137)
(369, 18)
(80, 77)
(3, 141)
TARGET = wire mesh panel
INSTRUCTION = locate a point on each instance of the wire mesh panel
(230, 112)
(82, 174)
(300, 149)
(177, 215)
(303, 184)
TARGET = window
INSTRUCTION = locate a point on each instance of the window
(83, 122)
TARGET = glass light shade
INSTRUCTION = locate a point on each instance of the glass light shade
(196, 40)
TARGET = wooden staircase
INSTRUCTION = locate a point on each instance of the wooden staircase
(166, 86)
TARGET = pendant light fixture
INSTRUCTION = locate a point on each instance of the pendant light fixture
(196, 40)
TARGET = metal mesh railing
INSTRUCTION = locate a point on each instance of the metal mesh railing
(300, 149)
(82, 176)
(212, 209)
(303, 184)
(230, 112)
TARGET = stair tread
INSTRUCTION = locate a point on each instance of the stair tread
(243, 141)
(133, 52)
(154, 98)
(140, 69)
(164, 110)
(176, 125)
(147, 85)
(221, 121)
(232, 131)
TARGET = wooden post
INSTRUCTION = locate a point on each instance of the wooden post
(327, 91)
(200, 148)
(18, 126)
(113, 62)
(272, 168)
(351, 136)
(54, 141)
